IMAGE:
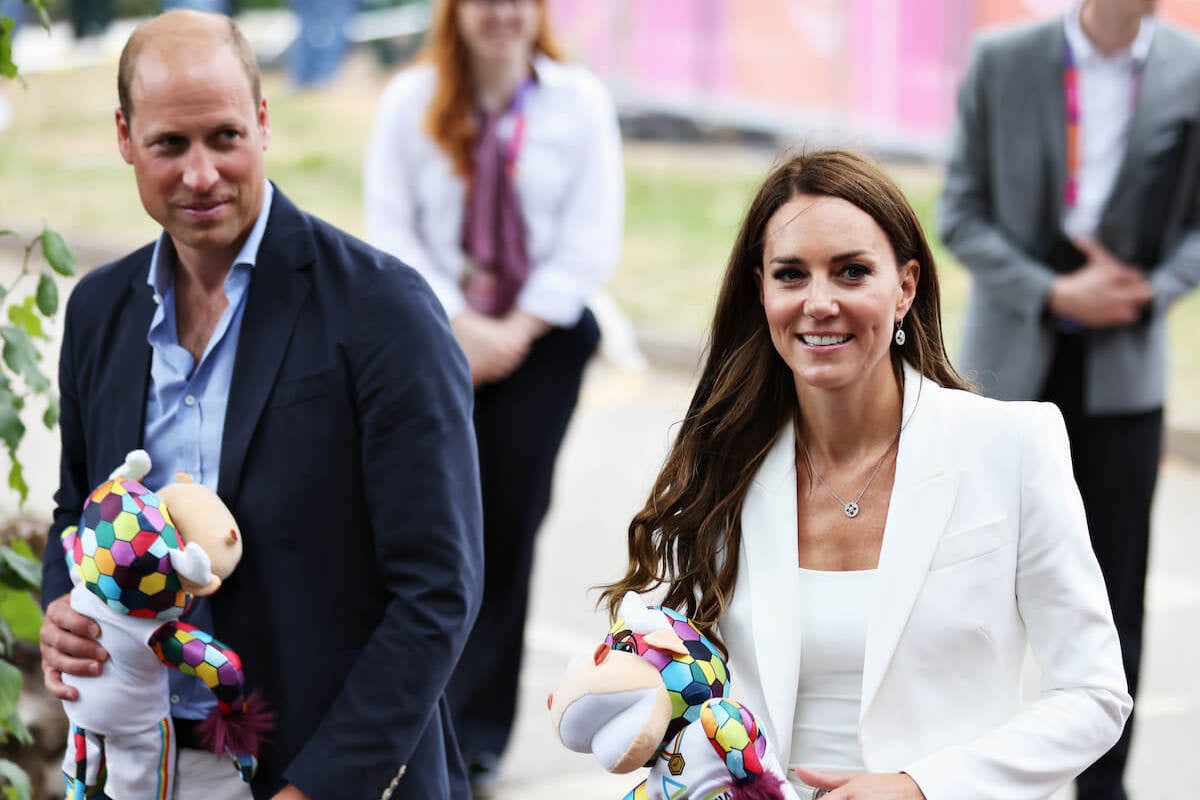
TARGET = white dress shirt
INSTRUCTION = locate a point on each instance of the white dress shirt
(1107, 88)
(569, 182)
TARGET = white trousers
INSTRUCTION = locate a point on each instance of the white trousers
(201, 775)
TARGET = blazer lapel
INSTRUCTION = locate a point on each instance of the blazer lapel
(277, 291)
(132, 353)
(1048, 84)
(769, 547)
(1156, 100)
(922, 499)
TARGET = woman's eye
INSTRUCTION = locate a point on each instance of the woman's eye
(787, 274)
(856, 271)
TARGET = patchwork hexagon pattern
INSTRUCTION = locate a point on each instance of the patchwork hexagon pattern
(733, 732)
(195, 652)
(121, 551)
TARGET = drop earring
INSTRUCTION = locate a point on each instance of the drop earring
(899, 338)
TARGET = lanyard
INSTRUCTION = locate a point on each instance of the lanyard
(1075, 119)
(517, 140)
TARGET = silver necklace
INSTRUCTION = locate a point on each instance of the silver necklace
(850, 508)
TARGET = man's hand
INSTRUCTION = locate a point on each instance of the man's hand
(290, 792)
(493, 348)
(861, 785)
(1104, 292)
(68, 642)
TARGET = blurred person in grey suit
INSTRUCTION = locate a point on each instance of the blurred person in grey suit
(1072, 197)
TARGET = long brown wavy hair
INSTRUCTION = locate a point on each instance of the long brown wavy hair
(688, 534)
(450, 119)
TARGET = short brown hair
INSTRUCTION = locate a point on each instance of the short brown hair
(189, 25)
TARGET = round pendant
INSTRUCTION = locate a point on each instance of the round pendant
(851, 510)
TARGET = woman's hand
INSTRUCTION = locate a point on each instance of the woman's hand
(493, 348)
(68, 643)
(861, 785)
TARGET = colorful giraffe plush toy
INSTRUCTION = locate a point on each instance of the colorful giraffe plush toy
(137, 558)
(655, 694)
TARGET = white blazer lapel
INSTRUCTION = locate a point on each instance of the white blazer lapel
(922, 499)
(769, 549)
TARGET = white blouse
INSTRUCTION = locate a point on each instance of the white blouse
(833, 618)
(569, 180)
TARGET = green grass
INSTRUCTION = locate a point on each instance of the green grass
(59, 163)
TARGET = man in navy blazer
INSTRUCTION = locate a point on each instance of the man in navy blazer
(346, 450)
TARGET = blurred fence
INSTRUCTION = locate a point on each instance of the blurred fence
(876, 73)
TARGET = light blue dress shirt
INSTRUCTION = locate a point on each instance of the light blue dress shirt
(185, 406)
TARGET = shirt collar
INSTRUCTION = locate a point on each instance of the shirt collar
(1083, 49)
(160, 277)
(547, 71)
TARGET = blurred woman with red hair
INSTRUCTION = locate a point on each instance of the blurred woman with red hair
(494, 169)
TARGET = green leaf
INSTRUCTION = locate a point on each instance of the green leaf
(16, 480)
(7, 68)
(26, 316)
(47, 295)
(43, 12)
(57, 252)
(50, 416)
(23, 614)
(18, 571)
(12, 429)
(21, 357)
(6, 636)
(19, 787)
(10, 692)
(21, 547)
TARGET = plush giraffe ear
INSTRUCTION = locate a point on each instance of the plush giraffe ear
(135, 467)
(638, 616)
(666, 640)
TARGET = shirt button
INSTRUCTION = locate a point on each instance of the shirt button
(174, 698)
(190, 400)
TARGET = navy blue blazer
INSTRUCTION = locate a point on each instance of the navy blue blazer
(349, 462)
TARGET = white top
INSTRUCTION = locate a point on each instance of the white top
(833, 610)
(569, 181)
(1107, 87)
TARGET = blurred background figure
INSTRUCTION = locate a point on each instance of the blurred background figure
(1071, 197)
(317, 53)
(215, 6)
(90, 18)
(494, 168)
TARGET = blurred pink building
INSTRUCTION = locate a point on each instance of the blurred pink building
(879, 73)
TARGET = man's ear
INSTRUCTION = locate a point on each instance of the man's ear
(124, 142)
(264, 123)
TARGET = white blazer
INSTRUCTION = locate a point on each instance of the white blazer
(985, 548)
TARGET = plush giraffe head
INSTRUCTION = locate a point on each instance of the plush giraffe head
(643, 684)
(131, 550)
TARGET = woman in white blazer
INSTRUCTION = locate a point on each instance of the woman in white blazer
(874, 545)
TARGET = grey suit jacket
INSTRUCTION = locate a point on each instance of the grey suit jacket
(1002, 208)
